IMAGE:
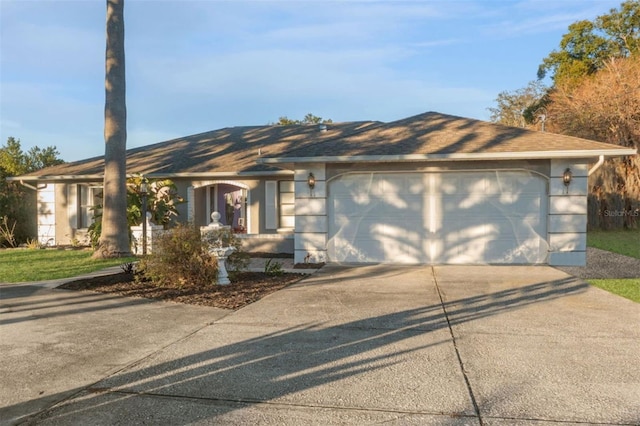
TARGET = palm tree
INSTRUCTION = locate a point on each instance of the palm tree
(114, 241)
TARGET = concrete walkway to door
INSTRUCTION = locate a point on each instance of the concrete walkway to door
(437, 345)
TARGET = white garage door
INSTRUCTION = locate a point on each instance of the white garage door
(455, 218)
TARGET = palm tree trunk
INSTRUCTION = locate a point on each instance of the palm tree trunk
(114, 240)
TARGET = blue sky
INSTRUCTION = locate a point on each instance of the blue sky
(194, 66)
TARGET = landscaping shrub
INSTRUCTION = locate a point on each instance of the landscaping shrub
(180, 259)
(273, 268)
(162, 201)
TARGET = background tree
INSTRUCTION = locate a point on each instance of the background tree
(606, 107)
(308, 119)
(521, 107)
(114, 240)
(595, 95)
(589, 44)
(17, 203)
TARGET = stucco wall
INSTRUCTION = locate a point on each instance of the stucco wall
(568, 213)
(311, 223)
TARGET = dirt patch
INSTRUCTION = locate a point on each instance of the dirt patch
(246, 287)
(308, 265)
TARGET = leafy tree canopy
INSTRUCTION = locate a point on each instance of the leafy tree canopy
(308, 119)
(520, 107)
(588, 44)
(16, 162)
(17, 204)
(605, 107)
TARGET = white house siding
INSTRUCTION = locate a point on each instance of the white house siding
(46, 205)
(568, 214)
(310, 242)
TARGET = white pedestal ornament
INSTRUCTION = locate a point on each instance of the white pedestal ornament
(222, 253)
(216, 249)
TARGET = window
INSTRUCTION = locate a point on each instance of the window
(82, 198)
(279, 204)
(287, 204)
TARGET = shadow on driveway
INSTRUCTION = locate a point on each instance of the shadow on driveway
(395, 365)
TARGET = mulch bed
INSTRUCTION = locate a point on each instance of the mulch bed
(245, 288)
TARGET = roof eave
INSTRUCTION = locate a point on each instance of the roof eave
(93, 177)
(524, 155)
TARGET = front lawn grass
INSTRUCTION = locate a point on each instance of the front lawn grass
(628, 287)
(18, 265)
(625, 242)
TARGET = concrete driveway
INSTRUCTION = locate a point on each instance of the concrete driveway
(401, 345)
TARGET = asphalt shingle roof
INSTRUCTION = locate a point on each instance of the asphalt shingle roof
(238, 149)
(435, 133)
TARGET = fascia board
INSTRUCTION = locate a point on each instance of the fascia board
(528, 155)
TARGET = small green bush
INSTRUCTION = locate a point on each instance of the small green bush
(180, 259)
(273, 268)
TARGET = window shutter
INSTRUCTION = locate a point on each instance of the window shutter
(271, 204)
(72, 205)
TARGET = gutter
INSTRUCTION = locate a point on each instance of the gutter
(596, 166)
(35, 188)
(526, 155)
(90, 178)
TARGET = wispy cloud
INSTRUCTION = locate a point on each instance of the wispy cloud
(541, 16)
(199, 65)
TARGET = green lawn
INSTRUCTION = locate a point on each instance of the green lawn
(628, 287)
(625, 242)
(17, 265)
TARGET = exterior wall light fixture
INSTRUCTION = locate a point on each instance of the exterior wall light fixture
(567, 176)
(311, 181)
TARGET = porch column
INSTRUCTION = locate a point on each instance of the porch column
(311, 223)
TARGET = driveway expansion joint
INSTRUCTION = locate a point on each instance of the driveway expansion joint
(556, 421)
(283, 404)
(455, 347)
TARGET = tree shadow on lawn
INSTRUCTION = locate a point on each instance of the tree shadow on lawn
(408, 366)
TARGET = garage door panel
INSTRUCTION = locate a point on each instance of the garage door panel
(498, 226)
(504, 251)
(466, 217)
(472, 252)
(488, 250)
(519, 202)
(374, 229)
(371, 251)
(394, 205)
